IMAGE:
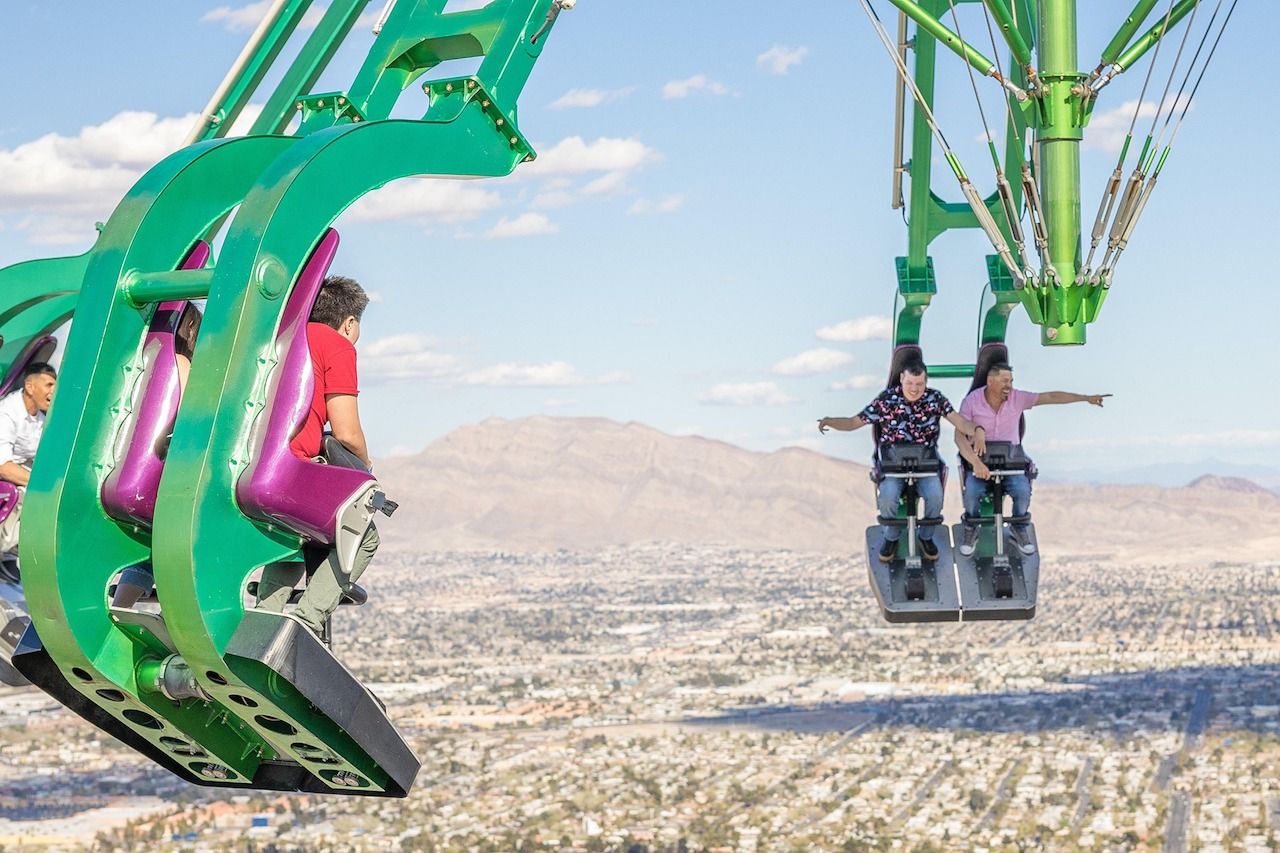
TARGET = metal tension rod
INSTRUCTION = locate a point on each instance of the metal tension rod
(944, 35)
(1146, 41)
(1003, 14)
(248, 70)
(1130, 26)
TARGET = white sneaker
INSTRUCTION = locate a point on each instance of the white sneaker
(970, 542)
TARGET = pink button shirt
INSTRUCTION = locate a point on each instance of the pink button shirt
(998, 424)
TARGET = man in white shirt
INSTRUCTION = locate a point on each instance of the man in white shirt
(22, 416)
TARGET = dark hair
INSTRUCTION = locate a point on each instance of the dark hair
(184, 337)
(915, 367)
(39, 368)
(998, 366)
(339, 298)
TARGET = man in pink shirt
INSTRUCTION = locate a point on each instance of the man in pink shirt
(997, 411)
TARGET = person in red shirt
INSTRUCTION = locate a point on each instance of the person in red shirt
(332, 333)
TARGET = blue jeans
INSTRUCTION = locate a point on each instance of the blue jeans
(929, 488)
(1017, 487)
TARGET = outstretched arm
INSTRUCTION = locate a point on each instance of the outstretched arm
(1057, 398)
(842, 424)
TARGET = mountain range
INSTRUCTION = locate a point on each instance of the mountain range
(545, 483)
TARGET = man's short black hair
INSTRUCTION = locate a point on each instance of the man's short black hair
(39, 368)
(998, 366)
(339, 298)
(915, 367)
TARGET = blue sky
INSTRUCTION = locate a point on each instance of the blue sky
(710, 204)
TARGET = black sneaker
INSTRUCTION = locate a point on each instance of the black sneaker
(928, 550)
(888, 550)
(1021, 537)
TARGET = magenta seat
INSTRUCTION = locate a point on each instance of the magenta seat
(129, 492)
(278, 487)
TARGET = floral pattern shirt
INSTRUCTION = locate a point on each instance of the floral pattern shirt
(900, 421)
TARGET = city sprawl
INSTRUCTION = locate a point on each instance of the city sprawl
(668, 697)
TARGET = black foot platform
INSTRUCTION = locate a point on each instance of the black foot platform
(940, 601)
(989, 592)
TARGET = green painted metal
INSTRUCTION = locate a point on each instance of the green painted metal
(36, 298)
(1158, 30)
(928, 215)
(286, 191)
(1052, 121)
(951, 371)
(1058, 140)
(1008, 25)
(1130, 26)
(260, 54)
(927, 19)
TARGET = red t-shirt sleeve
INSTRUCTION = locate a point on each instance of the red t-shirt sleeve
(340, 369)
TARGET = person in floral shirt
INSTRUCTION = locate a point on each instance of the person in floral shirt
(908, 413)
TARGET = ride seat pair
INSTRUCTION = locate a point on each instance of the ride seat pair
(326, 505)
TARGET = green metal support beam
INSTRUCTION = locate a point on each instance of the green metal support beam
(1130, 26)
(1008, 25)
(1159, 30)
(926, 14)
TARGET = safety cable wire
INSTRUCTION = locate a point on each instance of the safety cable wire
(1012, 212)
(985, 220)
(1109, 195)
(1132, 198)
(1173, 72)
(1150, 186)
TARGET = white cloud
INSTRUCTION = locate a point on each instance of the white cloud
(588, 98)
(554, 374)
(697, 83)
(575, 156)
(405, 357)
(553, 199)
(609, 183)
(60, 184)
(869, 328)
(429, 199)
(1108, 128)
(746, 394)
(239, 19)
(858, 383)
(812, 361)
(524, 225)
(669, 204)
(779, 59)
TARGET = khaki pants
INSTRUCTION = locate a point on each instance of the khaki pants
(325, 589)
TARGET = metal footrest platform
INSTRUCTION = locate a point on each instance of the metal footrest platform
(980, 582)
(940, 601)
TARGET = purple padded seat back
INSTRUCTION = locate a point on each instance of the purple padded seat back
(8, 499)
(278, 487)
(39, 349)
(129, 492)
